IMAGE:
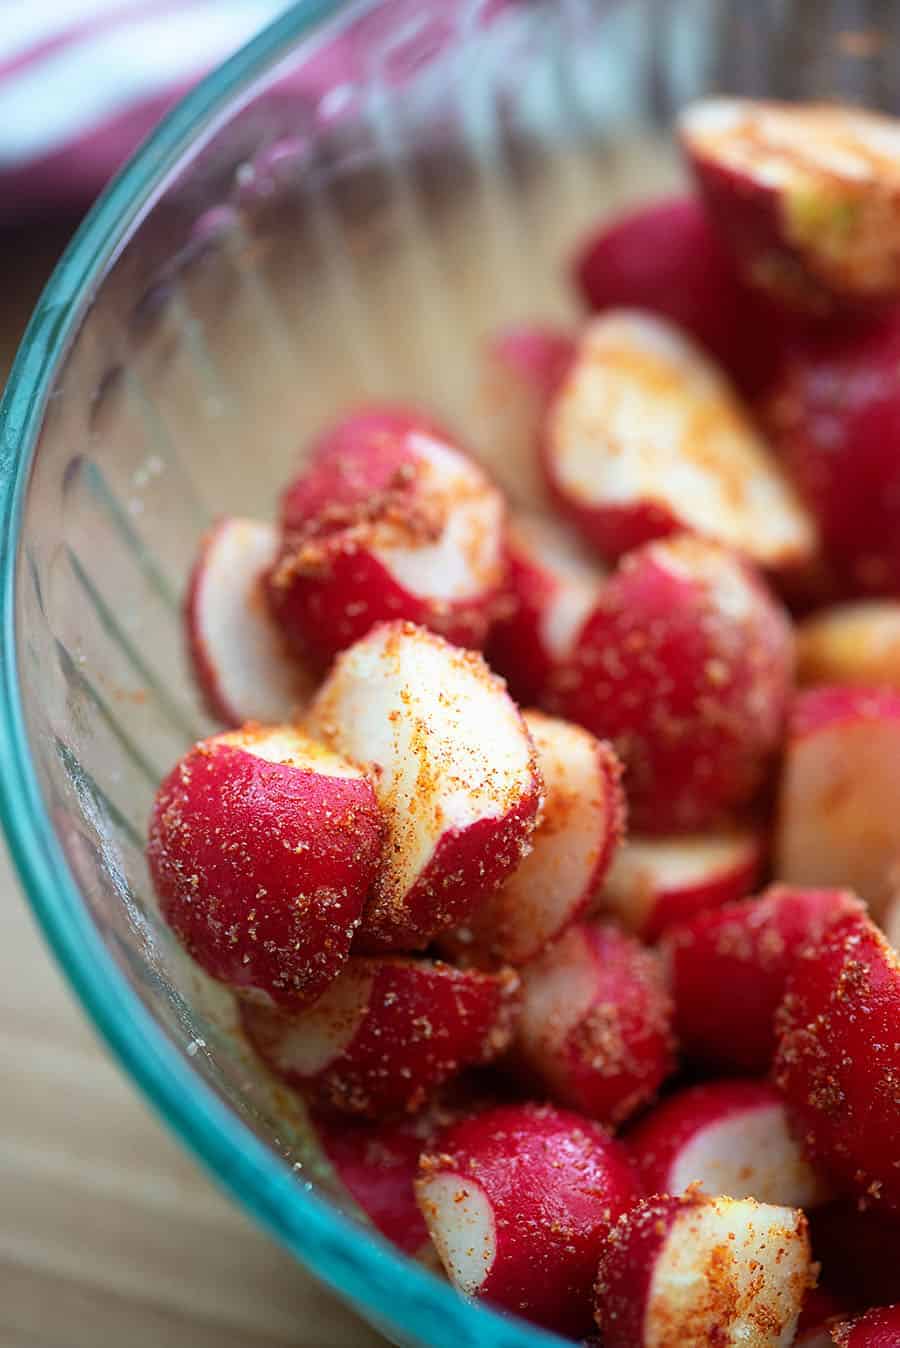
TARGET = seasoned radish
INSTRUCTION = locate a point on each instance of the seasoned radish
(646, 438)
(655, 882)
(725, 1137)
(580, 827)
(838, 1058)
(595, 1031)
(808, 197)
(665, 257)
(851, 643)
(837, 812)
(728, 970)
(410, 529)
(386, 1033)
(879, 1328)
(241, 662)
(522, 370)
(519, 1201)
(693, 1271)
(834, 415)
(262, 848)
(552, 584)
(455, 774)
(685, 665)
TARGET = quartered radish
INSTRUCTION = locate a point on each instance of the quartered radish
(387, 1033)
(263, 845)
(240, 659)
(646, 438)
(519, 1201)
(454, 771)
(851, 643)
(694, 1270)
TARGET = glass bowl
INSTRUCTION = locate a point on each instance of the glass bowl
(342, 211)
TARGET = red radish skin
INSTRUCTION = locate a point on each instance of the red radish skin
(666, 257)
(838, 1058)
(240, 660)
(595, 1031)
(834, 415)
(692, 1271)
(455, 774)
(387, 1033)
(859, 1250)
(685, 665)
(836, 817)
(807, 197)
(725, 1137)
(582, 822)
(654, 883)
(879, 1328)
(851, 643)
(552, 583)
(417, 536)
(262, 847)
(519, 1201)
(646, 438)
(522, 370)
(728, 970)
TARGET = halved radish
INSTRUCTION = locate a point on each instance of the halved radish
(879, 1328)
(405, 526)
(685, 665)
(837, 812)
(725, 1137)
(519, 1201)
(655, 882)
(851, 643)
(693, 1271)
(666, 257)
(552, 583)
(522, 370)
(646, 438)
(580, 827)
(728, 970)
(595, 1031)
(387, 1033)
(455, 775)
(241, 661)
(808, 197)
(838, 1057)
(262, 848)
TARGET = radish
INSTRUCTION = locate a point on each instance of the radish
(411, 528)
(454, 770)
(838, 1058)
(879, 1328)
(692, 1271)
(646, 438)
(807, 196)
(685, 665)
(262, 848)
(725, 1137)
(859, 1248)
(834, 415)
(595, 1031)
(522, 370)
(728, 970)
(519, 1201)
(580, 827)
(666, 257)
(552, 584)
(837, 819)
(819, 1308)
(240, 660)
(851, 643)
(655, 882)
(890, 922)
(386, 1033)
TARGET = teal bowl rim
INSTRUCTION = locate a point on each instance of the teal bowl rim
(397, 1293)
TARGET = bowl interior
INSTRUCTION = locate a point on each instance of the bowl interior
(343, 214)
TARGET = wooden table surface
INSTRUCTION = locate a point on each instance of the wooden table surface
(109, 1234)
